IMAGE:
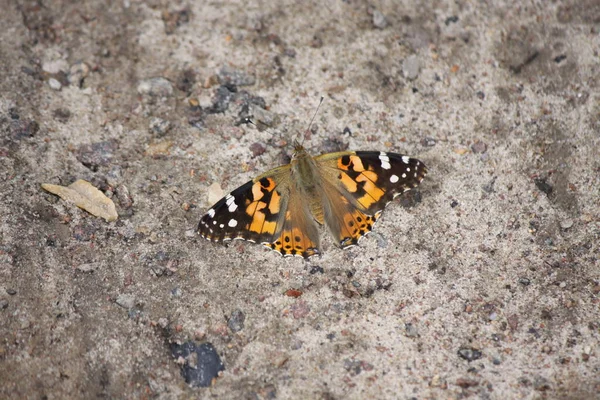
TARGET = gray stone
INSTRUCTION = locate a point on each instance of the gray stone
(54, 84)
(155, 87)
(126, 301)
(379, 20)
(411, 67)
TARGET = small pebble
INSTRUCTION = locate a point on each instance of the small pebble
(316, 269)
(3, 304)
(513, 321)
(379, 20)
(452, 19)
(199, 364)
(221, 100)
(428, 142)
(156, 87)
(541, 384)
(186, 80)
(114, 176)
(230, 76)
(411, 330)
(126, 301)
(479, 147)
(489, 187)
(87, 267)
(257, 149)
(300, 309)
(125, 200)
(411, 67)
(354, 367)
(524, 281)
(97, 154)
(77, 73)
(159, 126)
(236, 321)
(469, 353)
(11, 291)
(54, 84)
(55, 66)
(566, 224)
(163, 322)
(466, 383)
(62, 114)
(543, 186)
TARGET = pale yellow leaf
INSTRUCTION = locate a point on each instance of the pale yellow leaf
(84, 195)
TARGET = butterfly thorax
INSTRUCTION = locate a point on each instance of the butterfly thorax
(307, 181)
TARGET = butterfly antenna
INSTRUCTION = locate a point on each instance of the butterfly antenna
(312, 119)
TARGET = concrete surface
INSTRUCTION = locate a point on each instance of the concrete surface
(484, 284)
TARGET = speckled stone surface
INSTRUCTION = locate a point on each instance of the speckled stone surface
(484, 284)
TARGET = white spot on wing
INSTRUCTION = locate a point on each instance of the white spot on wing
(232, 223)
(405, 159)
(394, 178)
(385, 160)
(211, 213)
(221, 226)
(230, 201)
(403, 175)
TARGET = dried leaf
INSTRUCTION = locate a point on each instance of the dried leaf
(84, 195)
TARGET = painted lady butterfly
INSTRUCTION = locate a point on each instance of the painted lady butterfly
(282, 208)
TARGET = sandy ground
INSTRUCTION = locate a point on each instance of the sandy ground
(484, 284)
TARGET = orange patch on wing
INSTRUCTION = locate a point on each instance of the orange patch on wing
(294, 242)
(257, 192)
(348, 182)
(258, 217)
(357, 224)
(275, 203)
(370, 175)
(269, 227)
(255, 207)
(373, 193)
(355, 162)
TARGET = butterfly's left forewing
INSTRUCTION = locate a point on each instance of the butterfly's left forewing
(266, 210)
(358, 186)
(250, 212)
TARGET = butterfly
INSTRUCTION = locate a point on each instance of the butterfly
(283, 208)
